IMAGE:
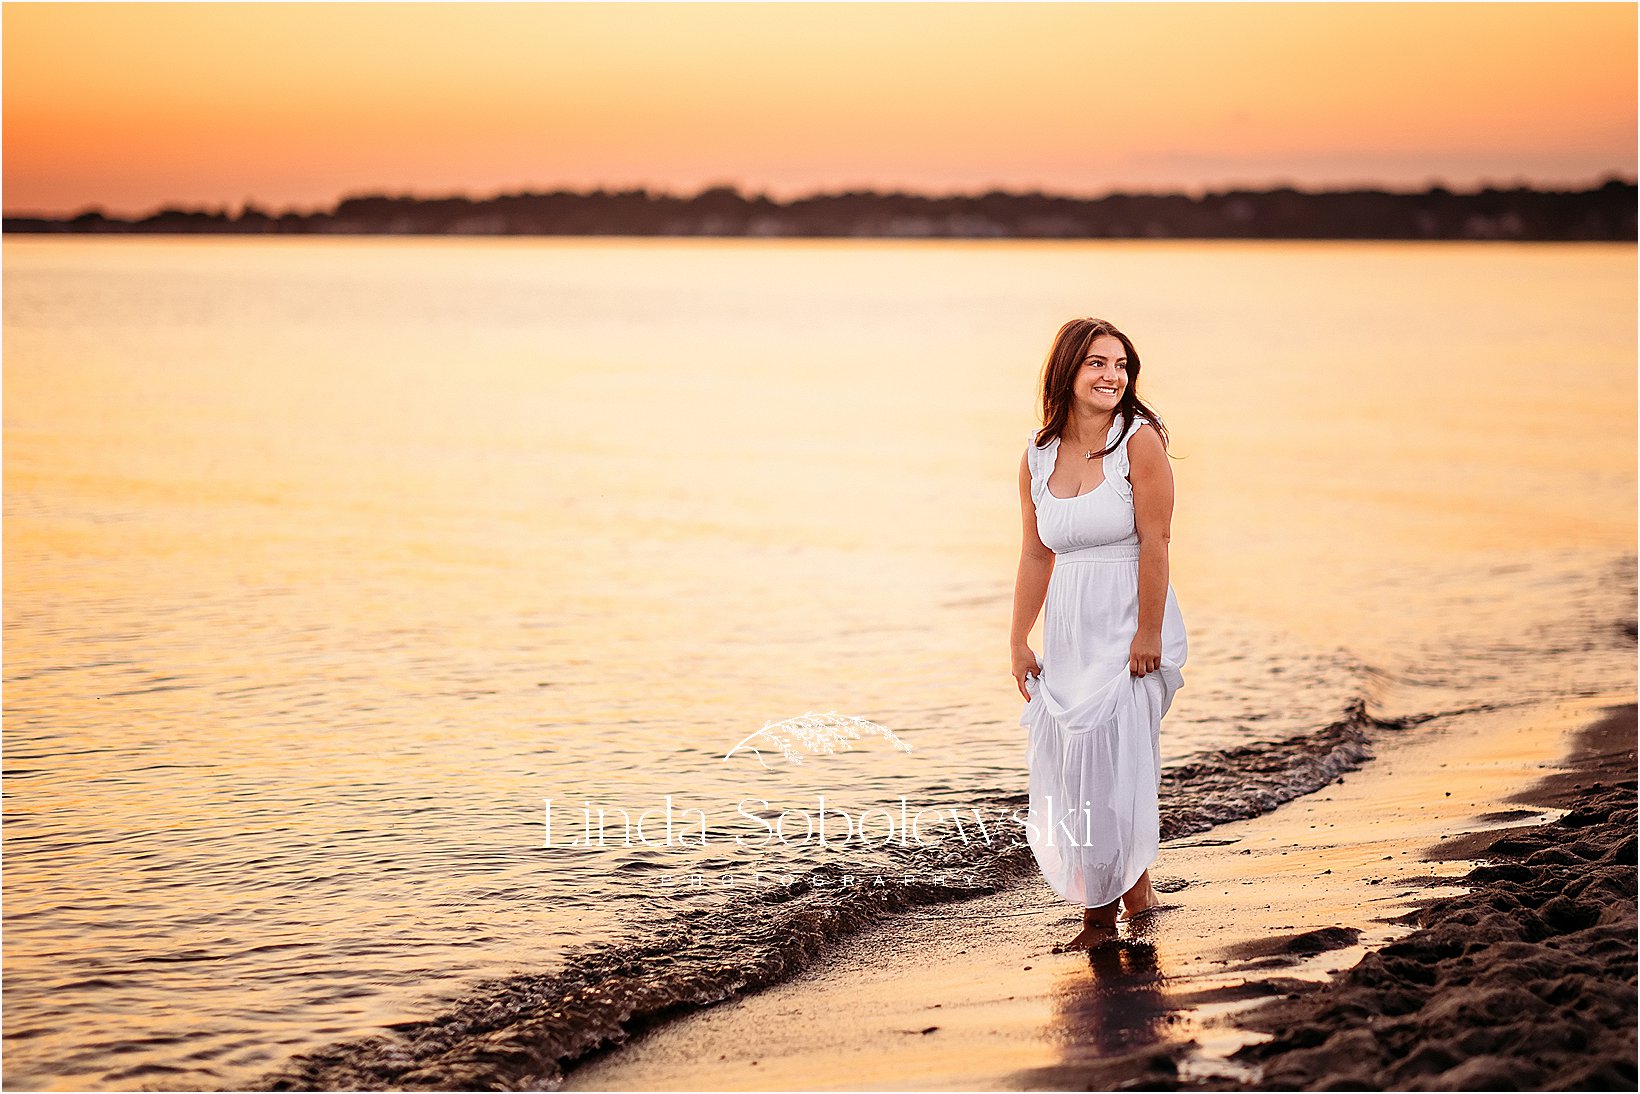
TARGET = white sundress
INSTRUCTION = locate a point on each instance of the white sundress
(1093, 746)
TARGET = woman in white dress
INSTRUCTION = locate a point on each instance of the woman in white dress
(1096, 493)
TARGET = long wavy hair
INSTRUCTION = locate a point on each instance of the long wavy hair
(1057, 395)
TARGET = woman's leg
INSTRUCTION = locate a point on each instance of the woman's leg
(1100, 917)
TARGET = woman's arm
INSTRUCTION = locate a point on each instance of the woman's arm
(1152, 480)
(1030, 586)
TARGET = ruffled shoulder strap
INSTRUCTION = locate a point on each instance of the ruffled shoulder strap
(1133, 427)
(1116, 462)
(1039, 462)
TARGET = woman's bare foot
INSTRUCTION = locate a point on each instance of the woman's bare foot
(1089, 937)
(1098, 925)
(1131, 914)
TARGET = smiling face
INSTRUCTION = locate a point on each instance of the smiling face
(1102, 380)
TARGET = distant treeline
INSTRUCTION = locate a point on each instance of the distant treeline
(1606, 212)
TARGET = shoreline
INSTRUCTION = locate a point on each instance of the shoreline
(970, 996)
(528, 1031)
(1526, 981)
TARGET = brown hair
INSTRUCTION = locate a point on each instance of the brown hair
(1070, 348)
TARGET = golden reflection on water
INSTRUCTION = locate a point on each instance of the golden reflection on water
(327, 560)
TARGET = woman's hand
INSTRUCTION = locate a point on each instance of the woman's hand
(1025, 662)
(1145, 655)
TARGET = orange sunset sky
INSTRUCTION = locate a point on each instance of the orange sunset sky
(130, 107)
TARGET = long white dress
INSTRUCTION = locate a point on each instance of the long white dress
(1093, 746)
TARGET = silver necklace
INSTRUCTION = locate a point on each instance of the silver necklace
(1088, 455)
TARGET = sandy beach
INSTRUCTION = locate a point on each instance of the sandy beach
(1313, 945)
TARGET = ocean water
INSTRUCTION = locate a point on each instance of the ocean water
(329, 562)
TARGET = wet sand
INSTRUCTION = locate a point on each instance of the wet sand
(972, 996)
(1525, 982)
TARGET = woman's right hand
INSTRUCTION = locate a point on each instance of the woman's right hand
(1026, 662)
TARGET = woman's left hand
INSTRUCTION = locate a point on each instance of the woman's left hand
(1146, 654)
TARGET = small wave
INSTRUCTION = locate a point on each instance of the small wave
(1249, 780)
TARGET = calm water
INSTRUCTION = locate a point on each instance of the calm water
(326, 561)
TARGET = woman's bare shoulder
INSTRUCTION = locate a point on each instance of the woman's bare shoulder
(1146, 449)
(1147, 435)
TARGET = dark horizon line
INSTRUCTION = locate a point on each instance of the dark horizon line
(762, 197)
(1606, 212)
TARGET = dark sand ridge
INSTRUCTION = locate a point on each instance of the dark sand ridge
(1525, 982)
(972, 996)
